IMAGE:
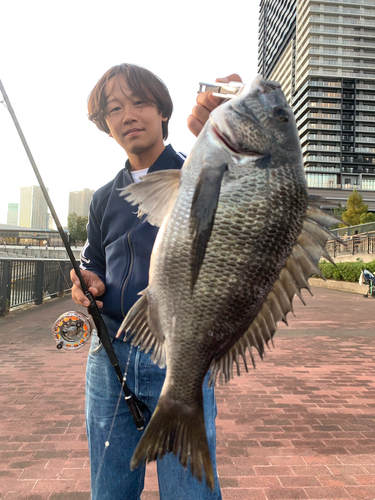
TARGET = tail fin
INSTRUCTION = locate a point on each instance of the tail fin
(179, 430)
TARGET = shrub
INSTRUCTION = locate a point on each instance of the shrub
(344, 271)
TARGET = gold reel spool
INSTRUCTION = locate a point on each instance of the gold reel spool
(72, 330)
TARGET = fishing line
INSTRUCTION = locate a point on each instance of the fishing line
(108, 441)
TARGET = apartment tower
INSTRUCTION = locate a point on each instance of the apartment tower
(323, 55)
(12, 215)
(79, 202)
(33, 208)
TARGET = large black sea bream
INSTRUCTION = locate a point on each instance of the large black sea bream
(238, 239)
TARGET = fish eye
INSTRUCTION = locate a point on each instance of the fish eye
(281, 115)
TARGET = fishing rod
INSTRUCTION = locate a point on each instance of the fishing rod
(73, 329)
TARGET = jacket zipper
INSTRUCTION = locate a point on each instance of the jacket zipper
(131, 260)
(130, 266)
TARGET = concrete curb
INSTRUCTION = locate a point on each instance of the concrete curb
(344, 286)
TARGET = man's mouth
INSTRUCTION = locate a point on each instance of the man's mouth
(132, 131)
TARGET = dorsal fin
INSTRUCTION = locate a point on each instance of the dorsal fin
(301, 264)
(155, 194)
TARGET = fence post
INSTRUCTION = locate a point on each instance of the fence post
(353, 244)
(368, 242)
(5, 287)
(39, 282)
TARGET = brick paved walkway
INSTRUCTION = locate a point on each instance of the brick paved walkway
(301, 426)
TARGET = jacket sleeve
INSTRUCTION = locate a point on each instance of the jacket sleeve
(92, 254)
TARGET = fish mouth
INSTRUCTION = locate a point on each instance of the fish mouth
(235, 147)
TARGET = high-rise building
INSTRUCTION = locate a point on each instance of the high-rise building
(51, 222)
(327, 72)
(277, 26)
(12, 216)
(79, 202)
(33, 208)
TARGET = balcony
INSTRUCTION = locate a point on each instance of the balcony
(324, 116)
(316, 105)
(337, 42)
(365, 150)
(321, 137)
(343, 10)
(351, 2)
(365, 129)
(322, 168)
(341, 53)
(320, 126)
(341, 31)
(323, 159)
(365, 86)
(316, 147)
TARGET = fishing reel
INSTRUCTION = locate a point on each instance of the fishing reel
(72, 330)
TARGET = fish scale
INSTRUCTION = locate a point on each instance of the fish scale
(238, 240)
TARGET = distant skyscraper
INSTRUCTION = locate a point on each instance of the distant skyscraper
(79, 202)
(12, 216)
(33, 208)
(277, 26)
(51, 222)
(325, 64)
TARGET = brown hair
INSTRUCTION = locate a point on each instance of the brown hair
(142, 82)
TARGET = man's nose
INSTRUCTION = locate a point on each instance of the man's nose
(129, 115)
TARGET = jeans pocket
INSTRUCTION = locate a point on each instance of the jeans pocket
(96, 345)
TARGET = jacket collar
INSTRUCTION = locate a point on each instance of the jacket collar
(163, 162)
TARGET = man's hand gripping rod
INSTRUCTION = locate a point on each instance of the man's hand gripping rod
(93, 309)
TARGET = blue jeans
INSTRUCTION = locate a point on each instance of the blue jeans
(111, 477)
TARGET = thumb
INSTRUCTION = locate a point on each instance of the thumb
(231, 78)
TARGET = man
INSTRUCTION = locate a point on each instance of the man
(132, 106)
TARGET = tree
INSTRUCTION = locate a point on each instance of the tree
(77, 227)
(356, 210)
(338, 211)
(369, 217)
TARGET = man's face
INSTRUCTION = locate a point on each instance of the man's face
(135, 125)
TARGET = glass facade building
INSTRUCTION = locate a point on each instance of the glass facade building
(33, 208)
(79, 202)
(327, 71)
(12, 215)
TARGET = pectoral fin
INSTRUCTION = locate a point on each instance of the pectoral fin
(136, 326)
(155, 194)
(202, 215)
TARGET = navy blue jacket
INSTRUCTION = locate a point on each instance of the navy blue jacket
(119, 244)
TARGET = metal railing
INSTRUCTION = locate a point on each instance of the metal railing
(25, 281)
(356, 244)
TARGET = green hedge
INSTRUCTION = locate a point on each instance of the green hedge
(345, 271)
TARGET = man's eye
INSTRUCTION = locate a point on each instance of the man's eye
(138, 103)
(114, 109)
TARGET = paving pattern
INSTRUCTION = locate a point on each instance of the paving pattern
(300, 426)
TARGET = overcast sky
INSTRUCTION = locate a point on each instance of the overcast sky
(52, 53)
